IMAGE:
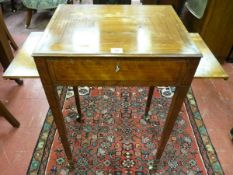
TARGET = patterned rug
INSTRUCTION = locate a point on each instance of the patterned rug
(116, 138)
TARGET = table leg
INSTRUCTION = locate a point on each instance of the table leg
(28, 17)
(55, 106)
(177, 101)
(8, 116)
(77, 101)
(150, 95)
(53, 99)
(18, 81)
(5, 49)
(13, 8)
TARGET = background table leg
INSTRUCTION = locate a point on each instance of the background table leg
(77, 101)
(150, 95)
(8, 116)
(4, 27)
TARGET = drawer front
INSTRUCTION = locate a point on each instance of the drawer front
(114, 70)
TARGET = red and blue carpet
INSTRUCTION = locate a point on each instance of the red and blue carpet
(115, 138)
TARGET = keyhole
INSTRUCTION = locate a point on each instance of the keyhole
(117, 68)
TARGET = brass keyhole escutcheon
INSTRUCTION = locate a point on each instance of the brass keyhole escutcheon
(117, 68)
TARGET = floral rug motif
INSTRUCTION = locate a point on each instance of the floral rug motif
(116, 138)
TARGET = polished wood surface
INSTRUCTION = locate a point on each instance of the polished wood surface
(23, 65)
(99, 70)
(209, 67)
(116, 30)
(116, 46)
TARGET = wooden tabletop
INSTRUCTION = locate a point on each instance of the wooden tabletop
(23, 65)
(87, 34)
(116, 30)
(209, 67)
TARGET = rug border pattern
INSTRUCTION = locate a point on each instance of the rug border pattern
(40, 154)
(205, 145)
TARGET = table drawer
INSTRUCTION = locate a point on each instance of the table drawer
(115, 70)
